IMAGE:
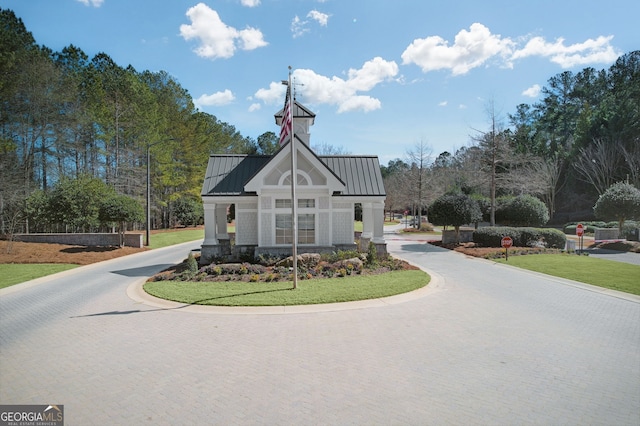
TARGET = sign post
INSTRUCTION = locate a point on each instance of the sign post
(580, 233)
(506, 242)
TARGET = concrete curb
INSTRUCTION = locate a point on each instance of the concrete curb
(136, 292)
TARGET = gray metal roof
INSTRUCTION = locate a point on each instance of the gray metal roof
(227, 174)
(360, 174)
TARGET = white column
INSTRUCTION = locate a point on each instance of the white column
(221, 222)
(378, 222)
(210, 224)
(367, 220)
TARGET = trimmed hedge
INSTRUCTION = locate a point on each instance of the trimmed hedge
(522, 237)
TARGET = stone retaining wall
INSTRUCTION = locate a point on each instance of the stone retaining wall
(97, 239)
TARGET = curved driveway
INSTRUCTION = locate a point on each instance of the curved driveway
(490, 345)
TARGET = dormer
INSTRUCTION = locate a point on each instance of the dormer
(303, 119)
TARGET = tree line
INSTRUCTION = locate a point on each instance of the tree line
(567, 149)
(64, 115)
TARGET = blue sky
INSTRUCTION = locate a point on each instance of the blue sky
(381, 76)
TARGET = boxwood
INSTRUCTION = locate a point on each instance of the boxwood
(522, 237)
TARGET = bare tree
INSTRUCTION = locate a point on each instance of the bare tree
(328, 149)
(599, 163)
(419, 158)
(632, 158)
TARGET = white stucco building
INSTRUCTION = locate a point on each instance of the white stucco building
(259, 187)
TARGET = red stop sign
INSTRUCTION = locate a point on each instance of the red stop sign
(579, 230)
(506, 242)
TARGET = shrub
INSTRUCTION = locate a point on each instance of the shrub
(553, 238)
(191, 267)
(523, 210)
(492, 236)
(339, 255)
(454, 210)
(372, 254)
(529, 237)
(522, 237)
(620, 202)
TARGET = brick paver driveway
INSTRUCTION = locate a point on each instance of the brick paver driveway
(493, 345)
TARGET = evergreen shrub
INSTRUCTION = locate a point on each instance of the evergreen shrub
(522, 237)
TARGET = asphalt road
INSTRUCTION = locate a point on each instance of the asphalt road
(490, 344)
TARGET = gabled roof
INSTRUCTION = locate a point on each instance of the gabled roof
(299, 111)
(228, 174)
(333, 181)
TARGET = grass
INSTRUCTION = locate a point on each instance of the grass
(590, 270)
(164, 239)
(315, 291)
(11, 273)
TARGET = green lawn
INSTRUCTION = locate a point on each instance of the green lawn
(329, 290)
(164, 239)
(11, 273)
(590, 270)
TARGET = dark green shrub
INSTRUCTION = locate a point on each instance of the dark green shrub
(553, 238)
(372, 255)
(523, 210)
(455, 210)
(492, 236)
(620, 202)
(529, 237)
(522, 237)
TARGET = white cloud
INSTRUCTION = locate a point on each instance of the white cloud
(254, 107)
(443, 103)
(250, 3)
(321, 18)
(215, 99)
(274, 94)
(217, 39)
(470, 50)
(589, 52)
(532, 91)
(479, 46)
(94, 3)
(299, 27)
(345, 94)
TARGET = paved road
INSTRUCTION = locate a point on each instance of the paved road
(492, 345)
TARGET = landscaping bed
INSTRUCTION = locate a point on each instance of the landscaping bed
(310, 266)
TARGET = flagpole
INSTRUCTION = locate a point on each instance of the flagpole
(294, 178)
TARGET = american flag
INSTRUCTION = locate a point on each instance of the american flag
(287, 120)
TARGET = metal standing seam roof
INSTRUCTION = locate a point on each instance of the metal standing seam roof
(227, 174)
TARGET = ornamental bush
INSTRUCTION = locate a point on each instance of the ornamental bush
(523, 210)
(553, 238)
(454, 210)
(620, 202)
(492, 236)
(522, 237)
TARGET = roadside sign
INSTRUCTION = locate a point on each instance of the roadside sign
(580, 230)
(506, 242)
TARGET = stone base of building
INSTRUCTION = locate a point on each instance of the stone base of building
(225, 252)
